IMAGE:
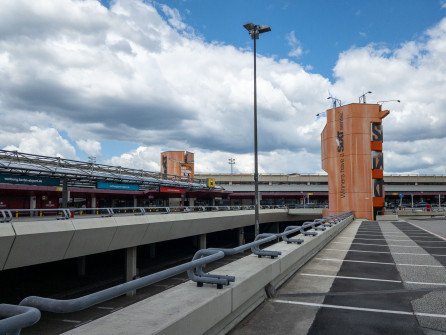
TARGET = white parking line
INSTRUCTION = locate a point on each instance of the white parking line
(428, 231)
(358, 308)
(345, 277)
(387, 252)
(353, 261)
(371, 279)
(384, 239)
(395, 233)
(390, 245)
(392, 235)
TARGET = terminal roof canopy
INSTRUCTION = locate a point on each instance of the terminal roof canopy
(87, 174)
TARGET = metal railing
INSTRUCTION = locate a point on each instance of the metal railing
(28, 311)
(7, 215)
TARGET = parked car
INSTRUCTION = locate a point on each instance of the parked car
(420, 205)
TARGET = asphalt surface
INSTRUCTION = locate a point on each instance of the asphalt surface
(373, 278)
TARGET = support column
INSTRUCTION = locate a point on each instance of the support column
(241, 236)
(152, 250)
(202, 241)
(33, 204)
(135, 201)
(81, 266)
(93, 203)
(130, 265)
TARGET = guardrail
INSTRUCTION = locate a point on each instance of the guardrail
(17, 318)
(420, 209)
(8, 215)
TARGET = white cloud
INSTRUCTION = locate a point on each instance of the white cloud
(294, 43)
(90, 147)
(127, 74)
(46, 142)
(174, 17)
(145, 158)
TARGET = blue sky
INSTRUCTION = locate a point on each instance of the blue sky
(123, 80)
(324, 28)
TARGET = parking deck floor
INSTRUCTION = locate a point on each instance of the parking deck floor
(373, 278)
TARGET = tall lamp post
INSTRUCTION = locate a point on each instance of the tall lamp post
(255, 30)
(231, 161)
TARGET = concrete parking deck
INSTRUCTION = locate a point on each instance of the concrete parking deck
(373, 278)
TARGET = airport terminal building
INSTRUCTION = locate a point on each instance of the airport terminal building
(38, 182)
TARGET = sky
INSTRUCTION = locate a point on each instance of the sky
(124, 80)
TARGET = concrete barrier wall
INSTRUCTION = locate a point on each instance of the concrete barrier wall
(34, 243)
(24, 243)
(188, 309)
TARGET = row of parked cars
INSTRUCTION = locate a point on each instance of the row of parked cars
(418, 205)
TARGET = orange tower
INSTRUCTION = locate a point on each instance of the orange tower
(177, 163)
(352, 156)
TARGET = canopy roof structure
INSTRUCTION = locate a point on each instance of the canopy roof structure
(87, 174)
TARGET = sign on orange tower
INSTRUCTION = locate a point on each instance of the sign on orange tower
(352, 156)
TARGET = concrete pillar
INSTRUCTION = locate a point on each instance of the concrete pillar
(152, 251)
(202, 241)
(130, 267)
(93, 202)
(135, 201)
(241, 236)
(33, 204)
(81, 266)
(191, 202)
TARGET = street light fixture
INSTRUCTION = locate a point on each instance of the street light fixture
(335, 101)
(381, 102)
(254, 30)
(362, 97)
(232, 162)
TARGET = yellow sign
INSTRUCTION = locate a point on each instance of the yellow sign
(211, 182)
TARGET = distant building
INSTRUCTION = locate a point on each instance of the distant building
(177, 163)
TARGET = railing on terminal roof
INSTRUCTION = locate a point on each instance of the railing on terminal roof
(7, 215)
(29, 310)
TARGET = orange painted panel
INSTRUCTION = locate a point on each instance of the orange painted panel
(377, 174)
(376, 145)
(378, 202)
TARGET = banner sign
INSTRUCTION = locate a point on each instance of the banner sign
(122, 187)
(28, 180)
(172, 190)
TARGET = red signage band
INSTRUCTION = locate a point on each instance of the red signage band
(172, 190)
